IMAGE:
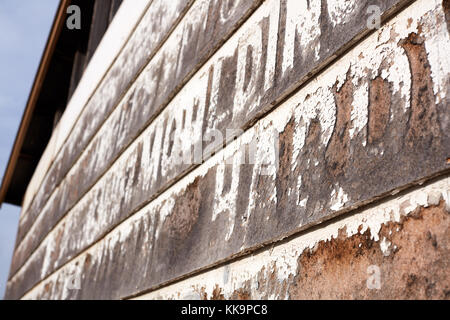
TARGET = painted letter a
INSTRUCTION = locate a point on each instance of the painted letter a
(74, 18)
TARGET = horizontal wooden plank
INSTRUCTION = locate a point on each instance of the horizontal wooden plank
(351, 136)
(128, 119)
(143, 44)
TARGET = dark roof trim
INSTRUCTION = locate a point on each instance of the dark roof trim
(46, 58)
(66, 56)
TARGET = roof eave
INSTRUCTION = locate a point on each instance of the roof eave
(52, 39)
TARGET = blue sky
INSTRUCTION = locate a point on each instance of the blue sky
(24, 27)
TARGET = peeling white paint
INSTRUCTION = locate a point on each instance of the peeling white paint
(284, 257)
(314, 100)
(385, 245)
(437, 51)
(226, 203)
(338, 199)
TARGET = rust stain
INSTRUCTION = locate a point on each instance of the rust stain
(241, 294)
(217, 294)
(410, 21)
(286, 148)
(423, 124)
(269, 285)
(379, 109)
(415, 267)
(48, 287)
(87, 261)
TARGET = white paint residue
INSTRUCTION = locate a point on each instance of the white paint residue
(438, 53)
(338, 199)
(359, 112)
(340, 11)
(303, 202)
(304, 23)
(226, 203)
(318, 103)
(385, 246)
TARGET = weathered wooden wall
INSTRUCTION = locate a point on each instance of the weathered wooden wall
(321, 118)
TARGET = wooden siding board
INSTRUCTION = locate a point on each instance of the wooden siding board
(134, 56)
(124, 124)
(269, 197)
(160, 98)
